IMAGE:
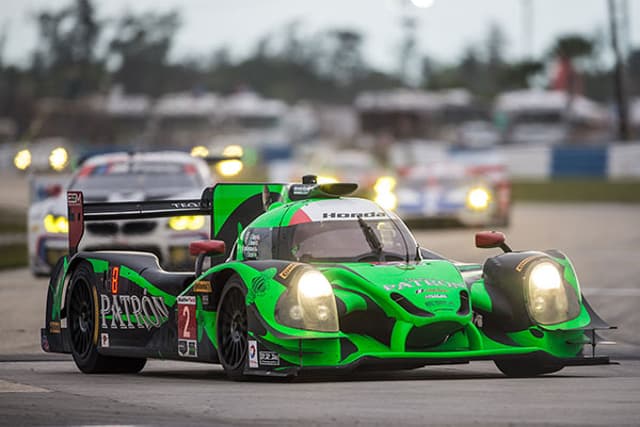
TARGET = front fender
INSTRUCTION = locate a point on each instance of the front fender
(265, 282)
(504, 281)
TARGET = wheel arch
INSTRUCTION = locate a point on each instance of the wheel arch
(219, 280)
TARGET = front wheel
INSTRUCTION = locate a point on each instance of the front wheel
(232, 329)
(82, 322)
(524, 367)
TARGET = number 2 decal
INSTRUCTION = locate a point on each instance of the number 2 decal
(186, 333)
(187, 318)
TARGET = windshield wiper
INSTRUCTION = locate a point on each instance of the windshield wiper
(372, 239)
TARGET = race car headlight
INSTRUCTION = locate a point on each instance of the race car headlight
(309, 304)
(385, 184)
(56, 224)
(386, 200)
(385, 197)
(22, 160)
(186, 223)
(229, 168)
(326, 179)
(58, 158)
(549, 300)
(478, 198)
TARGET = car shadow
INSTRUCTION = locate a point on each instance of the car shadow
(421, 374)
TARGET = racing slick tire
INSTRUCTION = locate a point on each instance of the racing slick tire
(525, 367)
(82, 322)
(232, 329)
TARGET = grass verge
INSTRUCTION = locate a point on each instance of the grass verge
(577, 190)
(13, 255)
(12, 221)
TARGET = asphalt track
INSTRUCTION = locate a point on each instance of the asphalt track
(603, 241)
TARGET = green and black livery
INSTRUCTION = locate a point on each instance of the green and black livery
(300, 278)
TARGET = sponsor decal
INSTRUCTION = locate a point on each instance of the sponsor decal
(269, 358)
(115, 274)
(54, 327)
(202, 287)
(132, 311)
(187, 328)
(435, 296)
(183, 205)
(104, 340)
(526, 261)
(287, 270)
(420, 284)
(74, 198)
(349, 215)
(205, 299)
(302, 189)
(259, 286)
(251, 243)
(253, 353)
(188, 348)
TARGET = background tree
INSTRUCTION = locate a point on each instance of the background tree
(141, 47)
(66, 60)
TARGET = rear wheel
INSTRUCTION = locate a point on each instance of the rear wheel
(82, 322)
(527, 367)
(232, 329)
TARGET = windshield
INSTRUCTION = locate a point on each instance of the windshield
(332, 241)
(151, 177)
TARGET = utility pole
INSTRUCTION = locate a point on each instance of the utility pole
(527, 29)
(626, 29)
(619, 78)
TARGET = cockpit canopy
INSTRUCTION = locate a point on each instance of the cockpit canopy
(334, 230)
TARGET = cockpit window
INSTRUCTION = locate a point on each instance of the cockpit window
(332, 241)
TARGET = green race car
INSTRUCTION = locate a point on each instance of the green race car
(300, 278)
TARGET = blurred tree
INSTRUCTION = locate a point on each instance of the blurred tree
(573, 46)
(141, 47)
(518, 75)
(567, 51)
(66, 57)
(633, 71)
(327, 67)
(345, 56)
(481, 69)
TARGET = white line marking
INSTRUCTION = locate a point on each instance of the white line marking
(9, 387)
(615, 292)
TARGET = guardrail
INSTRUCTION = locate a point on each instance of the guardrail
(615, 161)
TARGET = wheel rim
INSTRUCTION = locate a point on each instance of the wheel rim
(233, 329)
(81, 318)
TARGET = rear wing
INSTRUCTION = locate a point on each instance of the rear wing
(79, 212)
(231, 207)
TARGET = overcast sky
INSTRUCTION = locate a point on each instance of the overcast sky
(443, 30)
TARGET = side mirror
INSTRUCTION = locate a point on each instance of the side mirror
(491, 239)
(207, 247)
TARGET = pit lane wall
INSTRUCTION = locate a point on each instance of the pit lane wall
(614, 161)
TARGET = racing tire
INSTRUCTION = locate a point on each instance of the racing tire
(83, 327)
(232, 329)
(527, 367)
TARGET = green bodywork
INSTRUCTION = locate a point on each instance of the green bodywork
(371, 297)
